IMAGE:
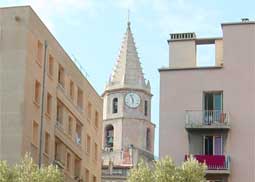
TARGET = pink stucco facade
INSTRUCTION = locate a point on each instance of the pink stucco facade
(182, 88)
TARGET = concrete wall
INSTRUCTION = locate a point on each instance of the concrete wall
(182, 53)
(19, 70)
(219, 53)
(123, 109)
(196, 140)
(183, 89)
(13, 52)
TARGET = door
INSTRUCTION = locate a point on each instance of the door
(213, 145)
(212, 106)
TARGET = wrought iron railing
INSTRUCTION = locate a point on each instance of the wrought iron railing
(206, 118)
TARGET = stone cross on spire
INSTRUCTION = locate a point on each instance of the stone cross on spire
(128, 71)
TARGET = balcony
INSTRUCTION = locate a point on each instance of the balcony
(207, 119)
(216, 164)
(115, 172)
(73, 143)
(59, 125)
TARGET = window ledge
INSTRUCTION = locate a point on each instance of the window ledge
(61, 86)
(39, 63)
(36, 103)
(34, 145)
(95, 127)
(50, 76)
(46, 154)
(48, 116)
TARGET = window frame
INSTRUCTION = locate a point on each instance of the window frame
(115, 105)
(50, 66)
(145, 108)
(35, 138)
(47, 143)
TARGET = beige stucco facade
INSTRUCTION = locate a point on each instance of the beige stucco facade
(72, 113)
(183, 113)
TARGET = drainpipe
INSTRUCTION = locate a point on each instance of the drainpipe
(42, 105)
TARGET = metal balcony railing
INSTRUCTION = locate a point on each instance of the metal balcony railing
(213, 162)
(59, 125)
(207, 119)
(115, 172)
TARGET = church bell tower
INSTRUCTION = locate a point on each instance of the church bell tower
(128, 133)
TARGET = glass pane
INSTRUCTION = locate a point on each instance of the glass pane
(208, 145)
(218, 145)
(208, 108)
(217, 101)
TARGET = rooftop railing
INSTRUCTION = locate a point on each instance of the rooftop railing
(207, 119)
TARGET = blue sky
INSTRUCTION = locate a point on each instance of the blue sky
(91, 31)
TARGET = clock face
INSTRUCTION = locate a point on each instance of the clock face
(132, 100)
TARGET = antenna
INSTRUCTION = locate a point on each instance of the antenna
(128, 18)
(128, 15)
(79, 65)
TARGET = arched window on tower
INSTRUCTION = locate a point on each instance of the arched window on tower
(109, 133)
(145, 108)
(115, 105)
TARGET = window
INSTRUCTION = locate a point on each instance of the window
(51, 65)
(213, 106)
(68, 161)
(61, 76)
(213, 101)
(78, 133)
(109, 133)
(87, 175)
(89, 110)
(60, 110)
(96, 119)
(94, 179)
(145, 108)
(58, 150)
(71, 89)
(39, 56)
(35, 133)
(47, 143)
(80, 98)
(49, 104)
(213, 145)
(115, 105)
(148, 142)
(96, 151)
(37, 94)
(70, 125)
(88, 143)
(77, 168)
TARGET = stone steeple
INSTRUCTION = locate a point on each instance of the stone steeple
(128, 72)
(126, 111)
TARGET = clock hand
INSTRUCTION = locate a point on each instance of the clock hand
(132, 99)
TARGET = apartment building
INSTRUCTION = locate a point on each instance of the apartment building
(47, 107)
(208, 111)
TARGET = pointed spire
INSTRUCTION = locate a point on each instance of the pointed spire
(128, 71)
